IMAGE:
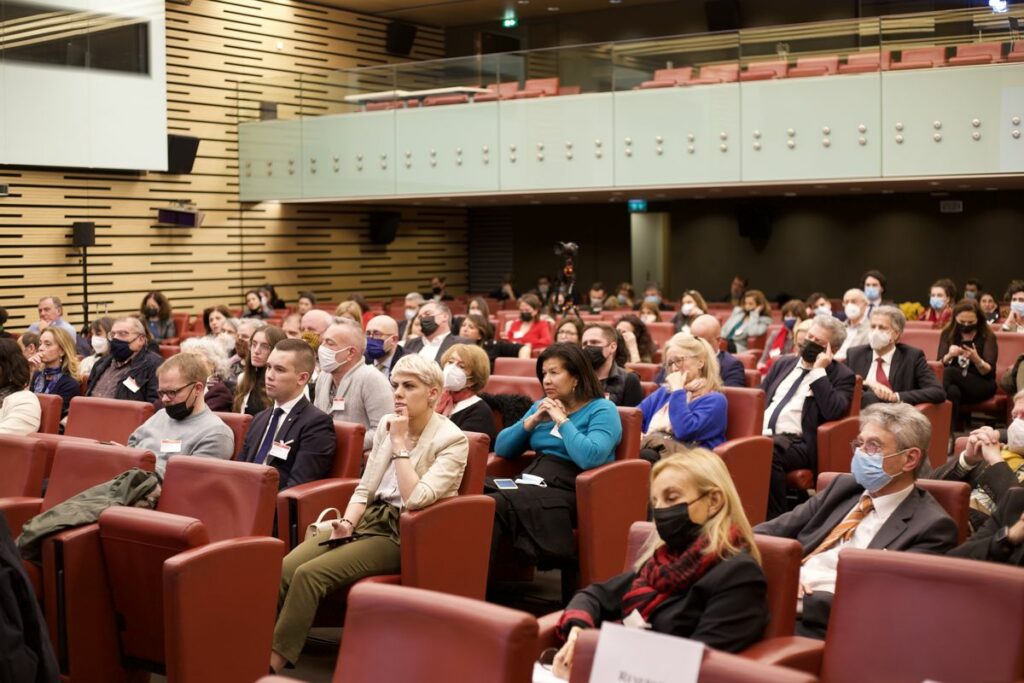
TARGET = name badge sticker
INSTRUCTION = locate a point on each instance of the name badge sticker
(280, 450)
(338, 405)
(170, 445)
(555, 433)
(132, 385)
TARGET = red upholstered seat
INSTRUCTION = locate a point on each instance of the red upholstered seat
(348, 449)
(106, 419)
(977, 53)
(524, 386)
(645, 371)
(748, 359)
(749, 460)
(925, 339)
(503, 91)
(834, 454)
(815, 66)
(538, 87)
(50, 406)
(438, 100)
(753, 378)
(515, 367)
(1016, 54)
(717, 73)
(746, 412)
(766, 70)
(23, 463)
(661, 332)
(239, 425)
(920, 58)
(668, 78)
(168, 350)
(648, 387)
(940, 415)
(866, 62)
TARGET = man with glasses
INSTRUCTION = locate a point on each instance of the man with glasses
(348, 389)
(879, 506)
(622, 388)
(128, 371)
(185, 426)
(382, 348)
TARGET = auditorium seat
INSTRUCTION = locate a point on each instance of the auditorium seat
(181, 325)
(569, 89)
(925, 339)
(716, 73)
(23, 463)
(766, 70)
(953, 496)
(668, 78)
(815, 66)
(383, 106)
(515, 367)
(661, 332)
(1011, 345)
(749, 460)
(538, 87)
(348, 449)
(645, 371)
(239, 425)
(106, 419)
(524, 386)
(438, 100)
(920, 58)
(977, 53)
(745, 412)
(914, 599)
(168, 350)
(1016, 54)
(50, 407)
(503, 91)
(866, 62)
(940, 415)
(834, 452)
(748, 359)
(753, 378)
(648, 387)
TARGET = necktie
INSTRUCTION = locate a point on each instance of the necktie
(268, 440)
(844, 530)
(786, 399)
(880, 375)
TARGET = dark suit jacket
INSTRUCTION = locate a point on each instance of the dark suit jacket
(909, 374)
(311, 432)
(831, 399)
(980, 545)
(731, 370)
(144, 365)
(415, 345)
(995, 480)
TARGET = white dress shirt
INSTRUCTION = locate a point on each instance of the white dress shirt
(431, 348)
(790, 419)
(465, 403)
(819, 572)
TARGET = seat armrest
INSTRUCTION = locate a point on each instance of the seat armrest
(299, 506)
(508, 468)
(608, 500)
(19, 510)
(794, 652)
(390, 579)
(583, 656)
(220, 603)
(547, 634)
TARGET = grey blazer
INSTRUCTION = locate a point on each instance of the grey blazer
(368, 398)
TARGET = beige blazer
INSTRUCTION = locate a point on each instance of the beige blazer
(20, 413)
(439, 459)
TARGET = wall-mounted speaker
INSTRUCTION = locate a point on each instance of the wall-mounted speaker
(400, 38)
(384, 226)
(181, 153)
(83, 234)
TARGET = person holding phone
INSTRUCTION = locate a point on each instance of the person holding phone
(968, 349)
(573, 429)
(418, 458)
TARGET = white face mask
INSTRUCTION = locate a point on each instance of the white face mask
(410, 313)
(824, 309)
(454, 377)
(687, 309)
(879, 339)
(327, 360)
(852, 311)
(1015, 436)
(100, 345)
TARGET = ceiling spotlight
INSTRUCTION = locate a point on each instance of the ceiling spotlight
(553, 8)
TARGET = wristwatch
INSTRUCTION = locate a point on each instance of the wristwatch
(1001, 542)
(400, 455)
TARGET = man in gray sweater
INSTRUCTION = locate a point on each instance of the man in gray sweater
(349, 390)
(185, 426)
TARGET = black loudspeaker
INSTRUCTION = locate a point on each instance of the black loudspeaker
(181, 153)
(384, 226)
(722, 15)
(400, 37)
(83, 234)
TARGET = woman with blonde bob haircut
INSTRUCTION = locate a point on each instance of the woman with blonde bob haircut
(466, 369)
(690, 406)
(418, 458)
(699, 575)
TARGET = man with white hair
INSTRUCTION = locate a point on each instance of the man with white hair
(802, 392)
(51, 313)
(855, 306)
(879, 506)
(413, 302)
(316, 321)
(128, 370)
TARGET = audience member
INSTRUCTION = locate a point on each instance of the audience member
(350, 310)
(972, 288)
(624, 295)
(940, 303)
(621, 387)
(293, 436)
(529, 329)
(569, 330)
(213, 318)
(185, 425)
(4, 334)
(155, 309)
(466, 370)
(382, 348)
(1015, 318)
(413, 302)
(649, 313)
(305, 303)
(348, 389)
(990, 307)
(51, 313)
(220, 382)
(637, 340)
(19, 408)
(55, 367)
(893, 372)
(314, 324)
(437, 292)
(780, 342)
(691, 307)
(250, 393)
(476, 328)
(256, 306)
(730, 368)
(271, 301)
(28, 342)
(228, 335)
(818, 304)
(246, 329)
(801, 393)
(418, 458)
(855, 306)
(874, 284)
(596, 297)
(435, 321)
(878, 506)
(478, 306)
(128, 372)
(543, 288)
(699, 574)
(573, 429)
(1001, 539)
(690, 407)
(989, 467)
(652, 295)
(749, 320)
(968, 349)
(505, 291)
(737, 288)
(478, 331)
(292, 326)
(99, 333)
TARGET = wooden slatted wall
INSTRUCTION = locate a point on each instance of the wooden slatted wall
(212, 45)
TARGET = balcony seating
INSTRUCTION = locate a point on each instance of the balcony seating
(920, 58)
(668, 78)
(977, 53)
(717, 73)
(764, 71)
(815, 66)
(866, 62)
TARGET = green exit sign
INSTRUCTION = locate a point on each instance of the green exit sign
(510, 21)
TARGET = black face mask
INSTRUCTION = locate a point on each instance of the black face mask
(675, 526)
(595, 354)
(120, 350)
(436, 290)
(526, 316)
(151, 311)
(179, 411)
(811, 351)
(966, 329)
(428, 325)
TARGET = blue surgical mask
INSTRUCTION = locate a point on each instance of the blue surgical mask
(652, 299)
(970, 295)
(1017, 307)
(937, 303)
(872, 292)
(867, 470)
(790, 323)
(374, 349)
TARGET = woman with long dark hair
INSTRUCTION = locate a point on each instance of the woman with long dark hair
(968, 349)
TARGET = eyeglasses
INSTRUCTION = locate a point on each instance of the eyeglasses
(872, 447)
(124, 336)
(377, 335)
(168, 394)
(676, 362)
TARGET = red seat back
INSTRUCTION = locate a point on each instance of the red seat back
(661, 332)
(991, 52)
(524, 386)
(50, 406)
(23, 463)
(515, 367)
(545, 86)
(239, 425)
(753, 378)
(629, 446)
(827, 64)
(106, 419)
(649, 388)
(749, 460)
(231, 499)
(476, 464)
(746, 412)
(932, 55)
(912, 596)
(168, 350)
(348, 449)
(78, 466)
(925, 339)
(748, 359)
(180, 323)
(645, 371)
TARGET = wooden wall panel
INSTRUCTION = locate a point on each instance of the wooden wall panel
(212, 46)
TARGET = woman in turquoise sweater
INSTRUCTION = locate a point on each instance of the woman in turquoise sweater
(573, 429)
